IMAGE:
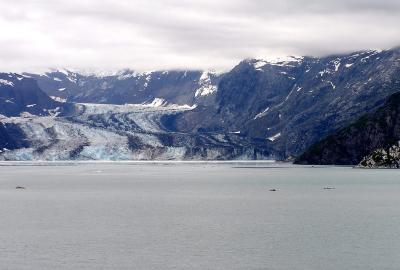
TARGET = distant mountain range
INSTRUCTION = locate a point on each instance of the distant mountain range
(275, 109)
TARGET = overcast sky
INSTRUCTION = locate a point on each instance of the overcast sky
(186, 34)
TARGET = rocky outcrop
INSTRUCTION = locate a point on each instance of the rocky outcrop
(383, 158)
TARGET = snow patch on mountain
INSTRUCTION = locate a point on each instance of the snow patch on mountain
(6, 82)
(261, 114)
(275, 137)
(337, 65)
(59, 99)
(206, 86)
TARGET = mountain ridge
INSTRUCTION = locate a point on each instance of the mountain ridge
(289, 103)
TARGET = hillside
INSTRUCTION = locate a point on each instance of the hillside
(371, 141)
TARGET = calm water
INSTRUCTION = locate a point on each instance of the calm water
(198, 216)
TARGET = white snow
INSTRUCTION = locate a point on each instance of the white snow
(370, 54)
(57, 79)
(6, 82)
(262, 114)
(259, 65)
(157, 102)
(331, 83)
(337, 65)
(275, 137)
(61, 89)
(286, 61)
(323, 72)
(349, 65)
(147, 78)
(126, 74)
(206, 90)
(30, 105)
(299, 88)
(59, 99)
(55, 112)
(206, 86)
(63, 71)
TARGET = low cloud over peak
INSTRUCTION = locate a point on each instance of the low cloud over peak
(161, 34)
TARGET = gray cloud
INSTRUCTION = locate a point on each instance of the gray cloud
(163, 34)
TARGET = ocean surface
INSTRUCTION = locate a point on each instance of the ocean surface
(198, 216)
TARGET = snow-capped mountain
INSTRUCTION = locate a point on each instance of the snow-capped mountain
(295, 102)
(128, 86)
(273, 108)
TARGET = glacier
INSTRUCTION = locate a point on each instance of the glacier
(88, 131)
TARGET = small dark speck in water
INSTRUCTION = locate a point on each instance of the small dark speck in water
(19, 187)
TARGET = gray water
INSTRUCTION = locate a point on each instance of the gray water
(198, 216)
